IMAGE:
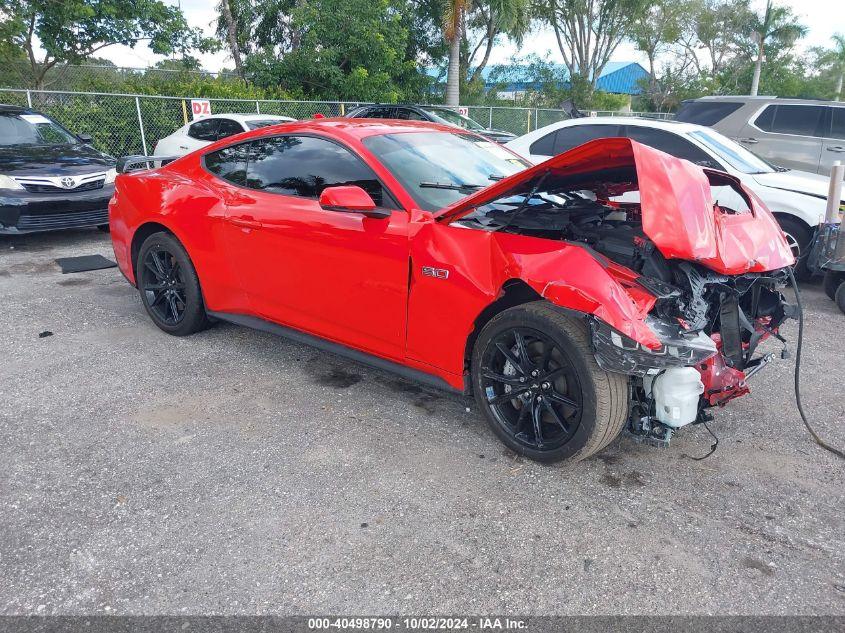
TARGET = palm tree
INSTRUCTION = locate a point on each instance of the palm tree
(453, 24)
(777, 25)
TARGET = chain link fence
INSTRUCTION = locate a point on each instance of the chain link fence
(123, 124)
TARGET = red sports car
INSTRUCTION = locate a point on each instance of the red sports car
(569, 312)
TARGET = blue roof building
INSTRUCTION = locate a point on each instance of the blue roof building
(616, 77)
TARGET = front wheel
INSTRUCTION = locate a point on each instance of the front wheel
(832, 280)
(536, 380)
(799, 238)
(169, 286)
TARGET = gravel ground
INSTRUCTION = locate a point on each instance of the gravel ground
(235, 472)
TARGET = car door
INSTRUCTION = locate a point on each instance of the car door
(671, 143)
(788, 135)
(833, 145)
(336, 274)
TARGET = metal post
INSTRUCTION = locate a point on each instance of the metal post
(342, 109)
(536, 118)
(141, 125)
(28, 99)
(257, 108)
(528, 112)
(490, 123)
(834, 192)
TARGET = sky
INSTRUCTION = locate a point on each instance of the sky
(823, 18)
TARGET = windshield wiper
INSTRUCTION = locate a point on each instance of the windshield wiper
(449, 185)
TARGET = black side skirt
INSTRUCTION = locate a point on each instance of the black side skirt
(364, 358)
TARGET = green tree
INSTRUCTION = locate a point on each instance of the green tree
(71, 31)
(489, 20)
(833, 60)
(588, 33)
(776, 26)
(340, 49)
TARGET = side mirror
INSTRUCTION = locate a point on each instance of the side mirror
(351, 198)
(85, 138)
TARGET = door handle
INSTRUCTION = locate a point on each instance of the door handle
(247, 222)
(836, 148)
(749, 140)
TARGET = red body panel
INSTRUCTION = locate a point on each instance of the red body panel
(358, 281)
(676, 203)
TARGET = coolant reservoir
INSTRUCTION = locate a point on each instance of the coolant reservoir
(676, 392)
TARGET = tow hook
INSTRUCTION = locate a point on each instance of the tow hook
(765, 360)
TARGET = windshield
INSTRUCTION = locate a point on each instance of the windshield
(439, 168)
(32, 129)
(732, 153)
(451, 117)
(254, 125)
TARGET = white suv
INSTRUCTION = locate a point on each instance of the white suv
(796, 198)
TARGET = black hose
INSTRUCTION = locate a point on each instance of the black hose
(818, 440)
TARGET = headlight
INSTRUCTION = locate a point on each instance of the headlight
(7, 182)
(111, 174)
(619, 353)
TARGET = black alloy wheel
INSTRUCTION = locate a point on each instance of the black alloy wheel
(169, 286)
(535, 378)
(164, 286)
(532, 388)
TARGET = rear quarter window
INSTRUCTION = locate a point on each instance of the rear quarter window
(706, 112)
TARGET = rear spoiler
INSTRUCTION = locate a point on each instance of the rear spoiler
(137, 163)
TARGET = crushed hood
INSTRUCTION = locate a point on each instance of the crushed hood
(676, 203)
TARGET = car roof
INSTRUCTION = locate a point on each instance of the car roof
(346, 129)
(660, 124)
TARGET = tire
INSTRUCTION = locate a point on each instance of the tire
(799, 238)
(839, 297)
(580, 407)
(169, 286)
(832, 281)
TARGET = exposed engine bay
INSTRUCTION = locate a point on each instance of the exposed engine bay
(709, 324)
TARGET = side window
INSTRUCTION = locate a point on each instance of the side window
(670, 143)
(204, 130)
(545, 145)
(304, 166)
(229, 163)
(406, 114)
(837, 123)
(800, 120)
(765, 119)
(228, 127)
(377, 112)
(706, 112)
(569, 137)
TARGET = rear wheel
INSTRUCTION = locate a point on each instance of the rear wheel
(169, 287)
(536, 380)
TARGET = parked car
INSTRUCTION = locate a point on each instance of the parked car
(435, 114)
(432, 252)
(50, 178)
(795, 133)
(212, 128)
(796, 198)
